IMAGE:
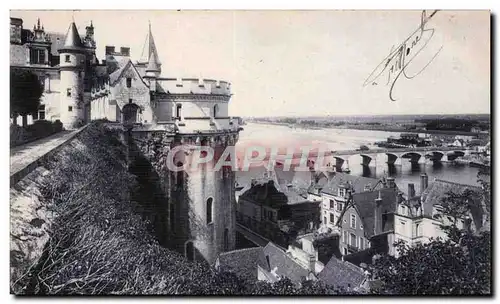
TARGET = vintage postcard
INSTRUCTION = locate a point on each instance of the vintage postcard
(250, 152)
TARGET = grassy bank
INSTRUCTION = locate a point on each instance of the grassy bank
(100, 243)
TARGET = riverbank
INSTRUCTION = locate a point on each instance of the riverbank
(366, 127)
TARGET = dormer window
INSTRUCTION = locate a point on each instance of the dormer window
(37, 56)
(341, 192)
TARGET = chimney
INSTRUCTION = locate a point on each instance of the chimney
(110, 50)
(391, 183)
(125, 51)
(424, 182)
(312, 263)
(377, 227)
(411, 190)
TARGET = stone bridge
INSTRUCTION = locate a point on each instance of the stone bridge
(338, 158)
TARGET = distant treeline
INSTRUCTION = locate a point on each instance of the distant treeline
(456, 124)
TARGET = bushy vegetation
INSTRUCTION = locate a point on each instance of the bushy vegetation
(25, 93)
(100, 244)
(461, 264)
(38, 130)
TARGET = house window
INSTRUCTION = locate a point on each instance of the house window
(339, 206)
(129, 82)
(70, 109)
(353, 221)
(324, 220)
(344, 237)
(209, 210)
(361, 243)
(66, 58)
(40, 114)
(341, 192)
(353, 240)
(332, 218)
(403, 210)
(68, 92)
(345, 251)
(332, 204)
(130, 100)
(178, 109)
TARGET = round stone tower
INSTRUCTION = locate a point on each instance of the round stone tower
(72, 65)
(196, 205)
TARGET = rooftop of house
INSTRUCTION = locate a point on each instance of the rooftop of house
(365, 204)
(358, 183)
(243, 262)
(438, 190)
(342, 274)
(284, 265)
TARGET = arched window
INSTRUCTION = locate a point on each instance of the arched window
(130, 112)
(209, 210)
(189, 248)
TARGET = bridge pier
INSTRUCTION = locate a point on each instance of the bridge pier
(339, 162)
(391, 159)
(365, 162)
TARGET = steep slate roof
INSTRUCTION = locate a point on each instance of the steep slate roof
(338, 273)
(73, 40)
(284, 265)
(438, 189)
(57, 40)
(357, 182)
(298, 179)
(265, 193)
(365, 205)
(244, 262)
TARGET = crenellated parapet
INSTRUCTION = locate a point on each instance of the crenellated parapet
(195, 86)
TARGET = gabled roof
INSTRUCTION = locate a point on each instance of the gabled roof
(297, 179)
(284, 265)
(265, 193)
(365, 205)
(341, 179)
(438, 190)
(243, 262)
(338, 273)
(119, 68)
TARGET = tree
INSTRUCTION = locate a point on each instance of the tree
(461, 264)
(25, 93)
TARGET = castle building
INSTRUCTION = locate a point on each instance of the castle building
(160, 113)
(63, 64)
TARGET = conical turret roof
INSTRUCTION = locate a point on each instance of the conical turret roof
(72, 41)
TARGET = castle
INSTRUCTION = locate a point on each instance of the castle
(199, 207)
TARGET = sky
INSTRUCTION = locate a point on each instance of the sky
(308, 63)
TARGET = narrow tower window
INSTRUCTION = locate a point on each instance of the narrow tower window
(68, 92)
(178, 109)
(226, 239)
(190, 251)
(70, 109)
(209, 210)
(216, 109)
(67, 58)
(129, 82)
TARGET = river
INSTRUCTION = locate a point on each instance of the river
(349, 139)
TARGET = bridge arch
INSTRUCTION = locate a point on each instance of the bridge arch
(414, 157)
(435, 155)
(391, 158)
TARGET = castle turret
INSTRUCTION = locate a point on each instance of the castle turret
(72, 64)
